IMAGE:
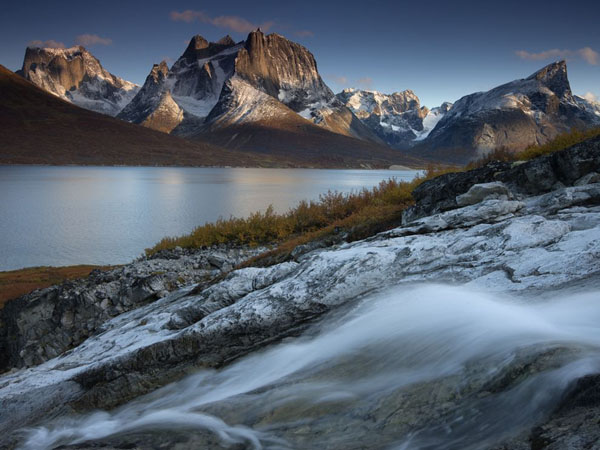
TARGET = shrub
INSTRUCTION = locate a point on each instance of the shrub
(366, 208)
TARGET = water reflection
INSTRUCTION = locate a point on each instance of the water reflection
(108, 215)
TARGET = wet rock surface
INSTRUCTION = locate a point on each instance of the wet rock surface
(540, 243)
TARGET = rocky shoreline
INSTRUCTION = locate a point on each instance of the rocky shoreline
(530, 229)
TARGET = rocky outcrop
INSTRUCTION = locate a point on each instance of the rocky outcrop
(46, 323)
(537, 244)
(574, 166)
(75, 75)
(524, 112)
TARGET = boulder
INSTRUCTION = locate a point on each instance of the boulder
(479, 192)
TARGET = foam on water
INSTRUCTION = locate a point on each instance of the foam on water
(389, 343)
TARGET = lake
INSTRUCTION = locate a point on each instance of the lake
(108, 215)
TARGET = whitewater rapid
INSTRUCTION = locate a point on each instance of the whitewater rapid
(418, 367)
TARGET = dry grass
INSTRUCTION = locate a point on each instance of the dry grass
(15, 283)
(360, 214)
(561, 142)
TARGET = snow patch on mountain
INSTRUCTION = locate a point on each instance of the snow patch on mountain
(397, 118)
(591, 106)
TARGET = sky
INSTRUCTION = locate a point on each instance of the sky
(441, 50)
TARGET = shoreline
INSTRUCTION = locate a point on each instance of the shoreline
(392, 167)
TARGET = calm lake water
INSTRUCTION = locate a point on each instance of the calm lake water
(109, 215)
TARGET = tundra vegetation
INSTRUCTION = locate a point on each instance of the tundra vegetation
(359, 214)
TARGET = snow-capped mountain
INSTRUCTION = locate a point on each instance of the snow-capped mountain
(216, 84)
(190, 89)
(75, 75)
(514, 115)
(398, 118)
(591, 106)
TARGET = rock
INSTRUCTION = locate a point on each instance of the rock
(217, 260)
(47, 322)
(529, 178)
(85, 354)
(592, 177)
(482, 191)
(439, 194)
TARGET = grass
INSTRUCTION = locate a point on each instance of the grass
(360, 214)
(561, 142)
(15, 283)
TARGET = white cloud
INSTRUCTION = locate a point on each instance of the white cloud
(234, 23)
(339, 79)
(88, 40)
(365, 82)
(304, 33)
(588, 54)
(590, 97)
(46, 44)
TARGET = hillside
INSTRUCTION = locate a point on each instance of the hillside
(39, 128)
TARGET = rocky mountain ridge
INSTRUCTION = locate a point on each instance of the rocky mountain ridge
(531, 230)
(515, 115)
(398, 118)
(199, 83)
(75, 75)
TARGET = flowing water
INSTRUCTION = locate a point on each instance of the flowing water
(410, 368)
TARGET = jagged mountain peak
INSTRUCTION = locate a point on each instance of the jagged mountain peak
(197, 42)
(263, 64)
(514, 115)
(397, 118)
(226, 40)
(161, 69)
(554, 76)
(75, 75)
(200, 48)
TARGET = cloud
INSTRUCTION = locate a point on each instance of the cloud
(365, 82)
(233, 23)
(46, 44)
(590, 97)
(588, 54)
(88, 40)
(338, 79)
(304, 34)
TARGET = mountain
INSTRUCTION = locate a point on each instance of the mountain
(262, 95)
(514, 115)
(591, 106)
(75, 75)
(398, 118)
(39, 128)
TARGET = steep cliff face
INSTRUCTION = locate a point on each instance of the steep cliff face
(398, 118)
(37, 127)
(271, 65)
(515, 115)
(74, 74)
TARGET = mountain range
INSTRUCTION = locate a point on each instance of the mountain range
(264, 96)
(39, 128)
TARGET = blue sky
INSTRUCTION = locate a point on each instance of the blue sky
(441, 50)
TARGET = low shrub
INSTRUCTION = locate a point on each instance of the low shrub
(362, 212)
